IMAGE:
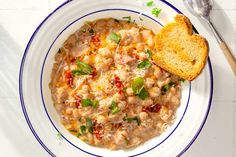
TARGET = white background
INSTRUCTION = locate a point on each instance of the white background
(18, 20)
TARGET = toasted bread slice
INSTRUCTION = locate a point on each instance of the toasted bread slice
(179, 51)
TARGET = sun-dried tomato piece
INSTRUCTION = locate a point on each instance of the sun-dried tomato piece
(119, 84)
(98, 130)
(95, 40)
(73, 60)
(94, 73)
(78, 100)
(153, 108)
(68, 77)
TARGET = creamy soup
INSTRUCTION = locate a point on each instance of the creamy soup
(107, 90)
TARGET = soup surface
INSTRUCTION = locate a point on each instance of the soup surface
(106, 88)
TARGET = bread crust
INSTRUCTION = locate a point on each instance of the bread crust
(176, 39)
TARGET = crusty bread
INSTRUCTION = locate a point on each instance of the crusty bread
(179, 51)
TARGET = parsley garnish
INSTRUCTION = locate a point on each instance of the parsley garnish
(89, 125)
(166, 87)
(182, 80)
(143, 94)
(149, 4)
(149, 53)
(156, 11)
(83, 129)
(137, 86)
(83, 68)
(128, 18)
(144, 64)
(89, 102)
(114, 108)
(114, 37)
(75, 131)
(131, 119)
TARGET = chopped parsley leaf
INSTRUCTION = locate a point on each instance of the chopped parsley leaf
(149, 53)
(89, 125)
(128, 18)
(143, 94)
(166, 87)
(156, 11)
(131, 119)
(137, 85)
(83, 129)
(75, 131)
(144, 64)
(182, 80)
(83, 68)
(114, 37)
(149, 3)
(89, 102)
(114, 108)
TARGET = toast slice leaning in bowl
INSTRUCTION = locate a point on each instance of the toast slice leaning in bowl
(179, 51)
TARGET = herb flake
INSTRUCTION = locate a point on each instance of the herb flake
(89, 102)
(114, 108)
(137, 85)
(89, 125)
(182, 80)
(149, 3)
(83, 129)
(114, 37)
(83, 68)
(156, 11)
(74, 131)
(131, 119)
(143, 94)
(128, 18)
(144, 64)
(166, 87)
(149, 53)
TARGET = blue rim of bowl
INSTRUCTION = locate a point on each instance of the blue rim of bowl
(22, 99)
(41, 80)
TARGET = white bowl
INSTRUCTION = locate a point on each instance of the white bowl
(36, 67)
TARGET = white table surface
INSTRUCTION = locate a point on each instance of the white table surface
(18, 20)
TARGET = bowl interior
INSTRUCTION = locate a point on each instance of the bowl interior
(62, 34)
